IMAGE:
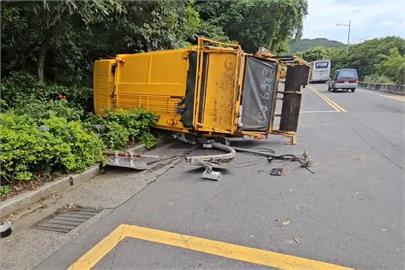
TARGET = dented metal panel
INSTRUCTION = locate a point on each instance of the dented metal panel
(219, 95)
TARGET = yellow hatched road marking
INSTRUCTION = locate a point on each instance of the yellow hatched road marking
(96, 253)
(227, 250)
(331, 103)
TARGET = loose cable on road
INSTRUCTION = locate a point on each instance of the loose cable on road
(303, 160)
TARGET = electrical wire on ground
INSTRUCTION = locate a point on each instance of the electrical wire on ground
(303, 159)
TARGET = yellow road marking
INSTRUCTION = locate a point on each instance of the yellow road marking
(96, 253)
(227, 250)
(398, 98)
(331, 103)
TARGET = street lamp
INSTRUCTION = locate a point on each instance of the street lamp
(349, 25)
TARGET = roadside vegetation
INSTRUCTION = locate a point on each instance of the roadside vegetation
(47, 127)
(47, 130)
(380, 60)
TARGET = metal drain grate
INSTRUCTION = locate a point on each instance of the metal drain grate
(66, 219)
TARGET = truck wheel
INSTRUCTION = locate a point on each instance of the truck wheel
(353, 89)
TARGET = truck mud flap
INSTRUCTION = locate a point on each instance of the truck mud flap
(290, 111)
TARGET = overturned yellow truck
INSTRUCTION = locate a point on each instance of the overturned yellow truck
(211, 89)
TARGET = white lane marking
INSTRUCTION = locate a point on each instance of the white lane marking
(318, 111)
(397, 98)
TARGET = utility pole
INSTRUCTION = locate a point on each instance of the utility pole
(349, 25)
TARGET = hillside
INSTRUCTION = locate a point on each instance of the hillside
(305, 44)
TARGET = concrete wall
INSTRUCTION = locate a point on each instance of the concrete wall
(384, 87)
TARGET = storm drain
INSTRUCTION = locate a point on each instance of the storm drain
(66, 219)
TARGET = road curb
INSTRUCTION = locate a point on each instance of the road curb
(28, 198)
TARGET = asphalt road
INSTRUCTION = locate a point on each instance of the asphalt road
(349, 213)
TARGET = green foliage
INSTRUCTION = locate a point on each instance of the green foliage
(149, 140)
(375, 78)
(383, 57)
(364, 56)
(18, 86)
(307, 44)
(44, 109)
(4, 190)
(315, 53)
(255, 23)
(392, 66)
(118, 128)
(59, 40)
(32, 30)
(32, 147)
(22, 90)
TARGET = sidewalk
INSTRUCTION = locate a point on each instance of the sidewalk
(26, 247)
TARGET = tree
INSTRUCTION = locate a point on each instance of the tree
(63, 38)
(366, 57)
(59, 40)
(255, 23)
(37, 27)
(392, 66)
(315, 53)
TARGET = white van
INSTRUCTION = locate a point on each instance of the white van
(320, 71)
(345, 79)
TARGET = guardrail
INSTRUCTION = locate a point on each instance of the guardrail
(384, 87)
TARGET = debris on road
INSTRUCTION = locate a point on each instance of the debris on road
(286, 222)
(304, 161)
(215, 161)
(5, 229)
(128, 159)
(210, 162)
(276, 171)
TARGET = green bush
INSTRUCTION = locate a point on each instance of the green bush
(120, 127)
(4, 190)
(32, 148)
(375, 78)
(45, 130)
(22, 88)
(18, 86)
(44, 109)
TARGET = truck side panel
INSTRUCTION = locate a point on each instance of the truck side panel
(155, 81)
(220, 93)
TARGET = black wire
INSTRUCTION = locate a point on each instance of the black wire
(303, 160)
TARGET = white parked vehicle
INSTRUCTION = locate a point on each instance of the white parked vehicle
(320, 71)
(345, 79)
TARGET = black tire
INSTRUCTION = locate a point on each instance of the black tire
(353, 89)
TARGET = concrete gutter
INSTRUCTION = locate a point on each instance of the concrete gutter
(384, 87)
(60, 184)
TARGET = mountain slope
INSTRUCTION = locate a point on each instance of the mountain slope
(305, 44)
